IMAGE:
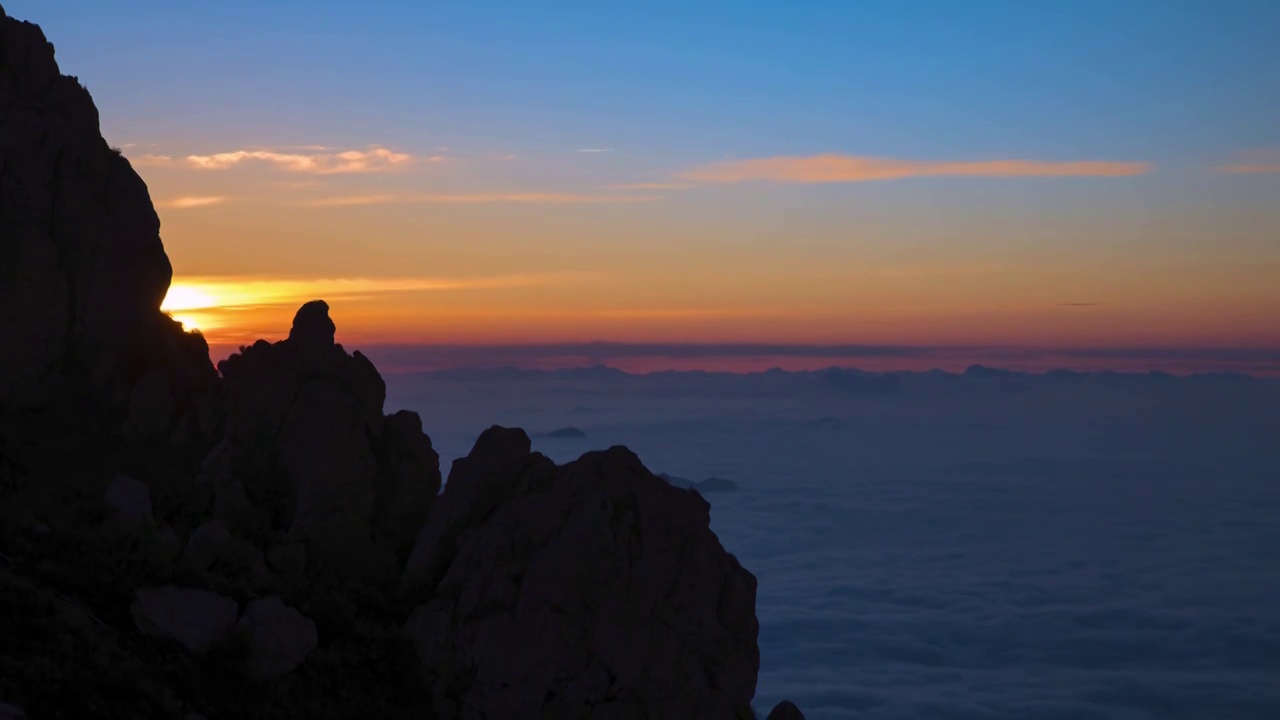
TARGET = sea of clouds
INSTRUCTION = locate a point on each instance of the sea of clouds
(939, 546)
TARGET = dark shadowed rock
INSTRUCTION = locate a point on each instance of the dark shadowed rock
(82, 268)
(278, 637)
(128, 500)
(197, 619)
(310, 450)
(785, 710)
(312, 329)
(590, 589)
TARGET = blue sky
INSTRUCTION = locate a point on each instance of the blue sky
(1174, 81)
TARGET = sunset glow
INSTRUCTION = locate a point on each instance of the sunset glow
(660, 182)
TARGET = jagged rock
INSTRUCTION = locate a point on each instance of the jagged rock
(82, 268)
(677, 481)
(313, 451)
(477, 484)
(237, 559)
(198, 619)
(151, 404)
(591, 589)
(408, 480)
(279, 638)
(128, 500)
(785, 710)
(312, 330)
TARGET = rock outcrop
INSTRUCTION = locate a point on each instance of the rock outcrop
(82, 268)
(146, 498)
(785, 710)
(311, 452)
(592, 588)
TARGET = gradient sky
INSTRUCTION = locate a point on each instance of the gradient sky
(1057, 174)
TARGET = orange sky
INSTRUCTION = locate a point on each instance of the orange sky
(440, 249)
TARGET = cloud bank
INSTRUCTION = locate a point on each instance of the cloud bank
(314, 160)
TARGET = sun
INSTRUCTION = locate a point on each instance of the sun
(187, 297)
(189, 322)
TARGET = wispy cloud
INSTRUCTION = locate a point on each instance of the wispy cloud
(151, 160)
(529, 198)
(1263, 160)
(309, 159)
(836, 168)
(184, 203)
(1079, 304)
(653, 186)
(594, 150)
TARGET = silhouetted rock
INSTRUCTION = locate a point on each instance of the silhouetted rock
(310, 449)
(278, 637)
(198, 619)
(84, 271)
(565, 433)
(785, 710)
(716, 484)
(525, 589)
(593, 588)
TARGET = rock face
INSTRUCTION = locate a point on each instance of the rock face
(279, 638)
(311, 451)
(82, 268)
(592, 589)
(198, 619)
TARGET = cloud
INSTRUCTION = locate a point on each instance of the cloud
(151, 160)
(653, 186)
(184, 203)
(836, 168)
(529, 198)
(305, 160)
(594, 150)
(1251, 162)
(1079, 304)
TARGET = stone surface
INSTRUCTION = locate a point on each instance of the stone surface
(279, 638)
(198, 619)
(82, 268)
(594, 588)
(128, 500)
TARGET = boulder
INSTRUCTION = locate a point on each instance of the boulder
(590, 589)
(128, 500)
(197, 619)
(278, 637)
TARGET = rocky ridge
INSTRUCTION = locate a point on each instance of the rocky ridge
(262, 539)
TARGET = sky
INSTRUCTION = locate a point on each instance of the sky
(1059, 175)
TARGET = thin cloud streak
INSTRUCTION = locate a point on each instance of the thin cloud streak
(184, 203)
(837, 168)
(375, 159)
(594, 150)
(653, 186)
(1252, 162)
(530, 198)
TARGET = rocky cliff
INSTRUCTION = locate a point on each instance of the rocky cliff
(262, 539)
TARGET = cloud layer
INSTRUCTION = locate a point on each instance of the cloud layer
(837, 168)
